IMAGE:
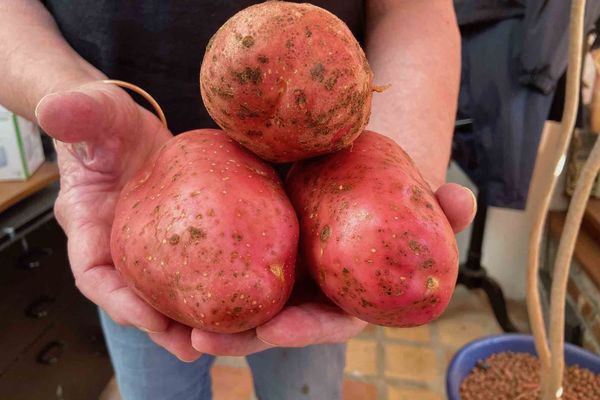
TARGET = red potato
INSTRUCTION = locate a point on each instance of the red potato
(288, 81)
(205, 233)
(372, 233)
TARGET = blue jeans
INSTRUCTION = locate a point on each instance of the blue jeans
(146, 371)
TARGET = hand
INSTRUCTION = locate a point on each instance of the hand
(312, 319)
(103, 138)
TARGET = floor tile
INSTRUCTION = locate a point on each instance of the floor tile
(467, 300)
(361, 357)
(369, 331)
(239, 362)
(456, 332)
(356, 390)
(398, 393)
(417, 334)
(410, 362)
(448, 355)
(419, 355)
(230, 383)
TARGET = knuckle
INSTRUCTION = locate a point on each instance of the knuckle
(59, 214)
(81, 286)
(118, 319)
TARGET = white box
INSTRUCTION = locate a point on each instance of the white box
(21, 151)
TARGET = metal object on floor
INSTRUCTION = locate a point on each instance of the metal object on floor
(474, 276)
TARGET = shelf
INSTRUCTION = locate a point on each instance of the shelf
(15, 191)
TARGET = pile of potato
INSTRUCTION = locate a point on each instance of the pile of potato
(208, 234)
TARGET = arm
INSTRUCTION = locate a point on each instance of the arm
(415, 46)
(38, 61)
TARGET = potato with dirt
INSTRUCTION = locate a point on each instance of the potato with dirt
(288, 81)
(204, 233)
(372, 233)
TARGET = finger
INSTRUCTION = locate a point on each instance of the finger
(223, 344)
(310, 323)
(459, 205)
(98, 280)
(177, 341)
(103, 286)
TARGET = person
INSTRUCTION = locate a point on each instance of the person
(55, 55)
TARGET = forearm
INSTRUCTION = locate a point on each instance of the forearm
(36, 58)
(415, 47)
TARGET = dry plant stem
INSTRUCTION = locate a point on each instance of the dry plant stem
(562, 265)
(570, 111)
(142, 93)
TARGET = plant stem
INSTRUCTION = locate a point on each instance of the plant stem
(568, 123)
(562, 265)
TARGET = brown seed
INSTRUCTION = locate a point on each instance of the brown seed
(515, 376)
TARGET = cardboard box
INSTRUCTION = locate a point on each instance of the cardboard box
(21, 151)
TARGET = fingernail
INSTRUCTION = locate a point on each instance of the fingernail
(146, 330)
(267, 342)
(37, 107)
(474, 203)
(187, 361)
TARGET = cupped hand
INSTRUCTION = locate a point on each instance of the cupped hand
(102, 138)
(312, 319)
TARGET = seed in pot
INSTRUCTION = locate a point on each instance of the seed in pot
(515, 376)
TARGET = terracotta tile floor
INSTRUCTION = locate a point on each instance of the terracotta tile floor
(384, 363)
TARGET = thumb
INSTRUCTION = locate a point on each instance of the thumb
(458, 203)
(81, 115)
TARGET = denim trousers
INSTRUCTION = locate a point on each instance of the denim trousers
(145, 371)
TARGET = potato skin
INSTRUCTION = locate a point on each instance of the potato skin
(372, 233)
(205, 234)
(288, 81)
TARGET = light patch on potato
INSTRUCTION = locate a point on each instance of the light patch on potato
(415, 247)
(431, 283)
(277, 270)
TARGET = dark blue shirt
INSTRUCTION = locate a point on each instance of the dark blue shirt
(159, 44)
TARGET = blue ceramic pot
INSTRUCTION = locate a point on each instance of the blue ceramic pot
(465, 359)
